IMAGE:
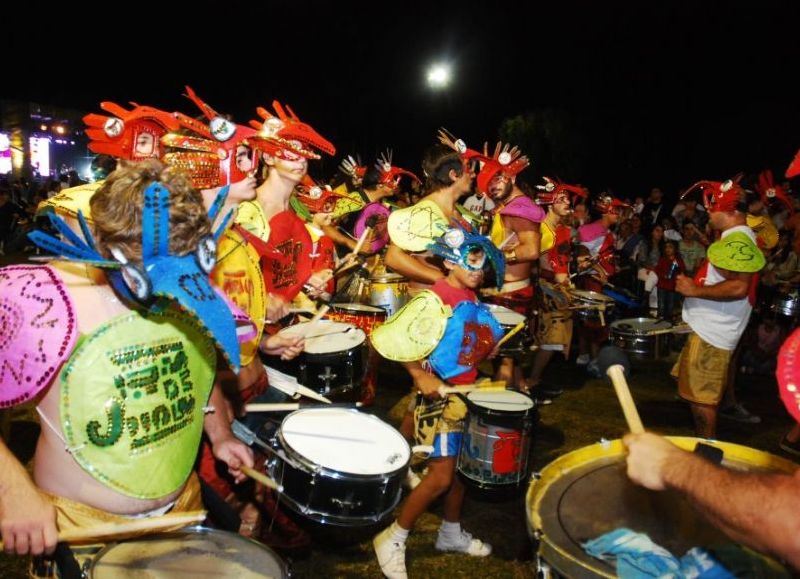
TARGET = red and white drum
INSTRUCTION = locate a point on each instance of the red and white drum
(362, 316)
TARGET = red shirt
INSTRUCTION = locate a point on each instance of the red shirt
(662, 270)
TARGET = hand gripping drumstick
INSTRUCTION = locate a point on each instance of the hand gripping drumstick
(136, 526)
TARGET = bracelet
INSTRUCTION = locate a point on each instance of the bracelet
(510, 254)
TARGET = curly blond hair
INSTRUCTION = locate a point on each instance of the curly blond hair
(117, 209)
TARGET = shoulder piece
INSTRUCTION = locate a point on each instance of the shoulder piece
(39, 330)
(414, 228)
(374, 215)
(414, 330)
(251, 217)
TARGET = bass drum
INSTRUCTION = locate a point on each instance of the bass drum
(586, 493)
(188, 554)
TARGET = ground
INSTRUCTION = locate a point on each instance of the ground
(587, 412)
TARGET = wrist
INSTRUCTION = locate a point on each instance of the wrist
(510, 255)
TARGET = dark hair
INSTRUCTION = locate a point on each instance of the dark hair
(371, 178)
(437, 163)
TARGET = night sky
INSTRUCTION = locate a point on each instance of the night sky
(651, 93)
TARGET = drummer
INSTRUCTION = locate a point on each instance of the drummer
(470, 335)
(555, 320)
(130, 442)
(598, 239)
(515, 228)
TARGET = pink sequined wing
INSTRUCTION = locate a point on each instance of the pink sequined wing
(38, 330)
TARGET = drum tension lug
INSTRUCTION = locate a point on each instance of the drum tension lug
(536, 475)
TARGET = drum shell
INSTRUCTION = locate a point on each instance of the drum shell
(332, 497)
(388, 291)
(363, 319)
(786, 305)
(272, 565)
(639, 345)
(486, 432)
(589, 298)
(666, 517)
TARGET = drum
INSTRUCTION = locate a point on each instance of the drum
(497, 438)
(189, 553)
(333, 362)
(590, 304)
(361, 316)
(340, 467)
(509, 319)
(641, 338)
(786, 304)
(388, 291)
(586, 493)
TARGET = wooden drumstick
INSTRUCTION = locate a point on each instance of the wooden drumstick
(497, 386)
(507, 240)
(261, 477)
(510, 334)
(617, 374)
(134, 526)
(317, 317)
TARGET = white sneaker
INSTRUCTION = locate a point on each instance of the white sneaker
(583, 359)
(412, 480)
(391, 555)
(462, 543)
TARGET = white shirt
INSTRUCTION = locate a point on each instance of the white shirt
(478, 203)
(720, 323)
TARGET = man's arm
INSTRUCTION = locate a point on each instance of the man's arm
(735, 287)
(338, 237)
(410, 267)
(755, 509)
(224, 445)
(528, 247)
(425, 382)
(27, 519)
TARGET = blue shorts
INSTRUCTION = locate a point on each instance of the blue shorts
(446, 444)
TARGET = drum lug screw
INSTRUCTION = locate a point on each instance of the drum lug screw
(536, 475)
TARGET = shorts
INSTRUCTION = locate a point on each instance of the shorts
(555, 331)
(446, 444)
(702, 371)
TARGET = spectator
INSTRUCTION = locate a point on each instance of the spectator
(691, 249)
(669, 266)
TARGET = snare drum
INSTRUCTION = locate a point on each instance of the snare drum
(340, 467)
(361, 316)
(786, 305)
(333, 361)
(586, 493)
(188, 554)
(388, 291)
(509, 319)
(641, 338)
(590, 304)
(497, 438)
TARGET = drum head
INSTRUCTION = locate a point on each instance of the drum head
(357, 309)
(191, 553)
(500, 401)
(586, 493)
(504, 315)
(639, 326)
(592, 297)
(329, 336)
(346, 441)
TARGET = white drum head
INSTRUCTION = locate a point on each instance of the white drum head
(188, 554)
(591, 296)
(640, 325)
(330, 336)
(505, 316)
(507, 400)
(345, 441)
(358, 308)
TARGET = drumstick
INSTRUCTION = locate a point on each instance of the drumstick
(617, 374)
(286, 406)
(359, 243)
(133, 526)
(317, 317)
(510, 334)
(505, 242)
(262, 478)
(497, 386)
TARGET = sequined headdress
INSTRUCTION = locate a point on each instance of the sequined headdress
(770, 191)
(389, 174)
(284, 131)
(552, 189)
(119, 135)
(720, 196)
(456, 243)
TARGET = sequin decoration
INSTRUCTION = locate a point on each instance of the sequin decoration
(132, 398)
(38, 329)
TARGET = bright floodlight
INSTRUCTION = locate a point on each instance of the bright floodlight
(439, 76)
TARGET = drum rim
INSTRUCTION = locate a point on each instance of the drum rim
(194, 530)
(388, 278)
(582, 295)
(542, 481)
(313, 468)
(614, 327)
(354, 329)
